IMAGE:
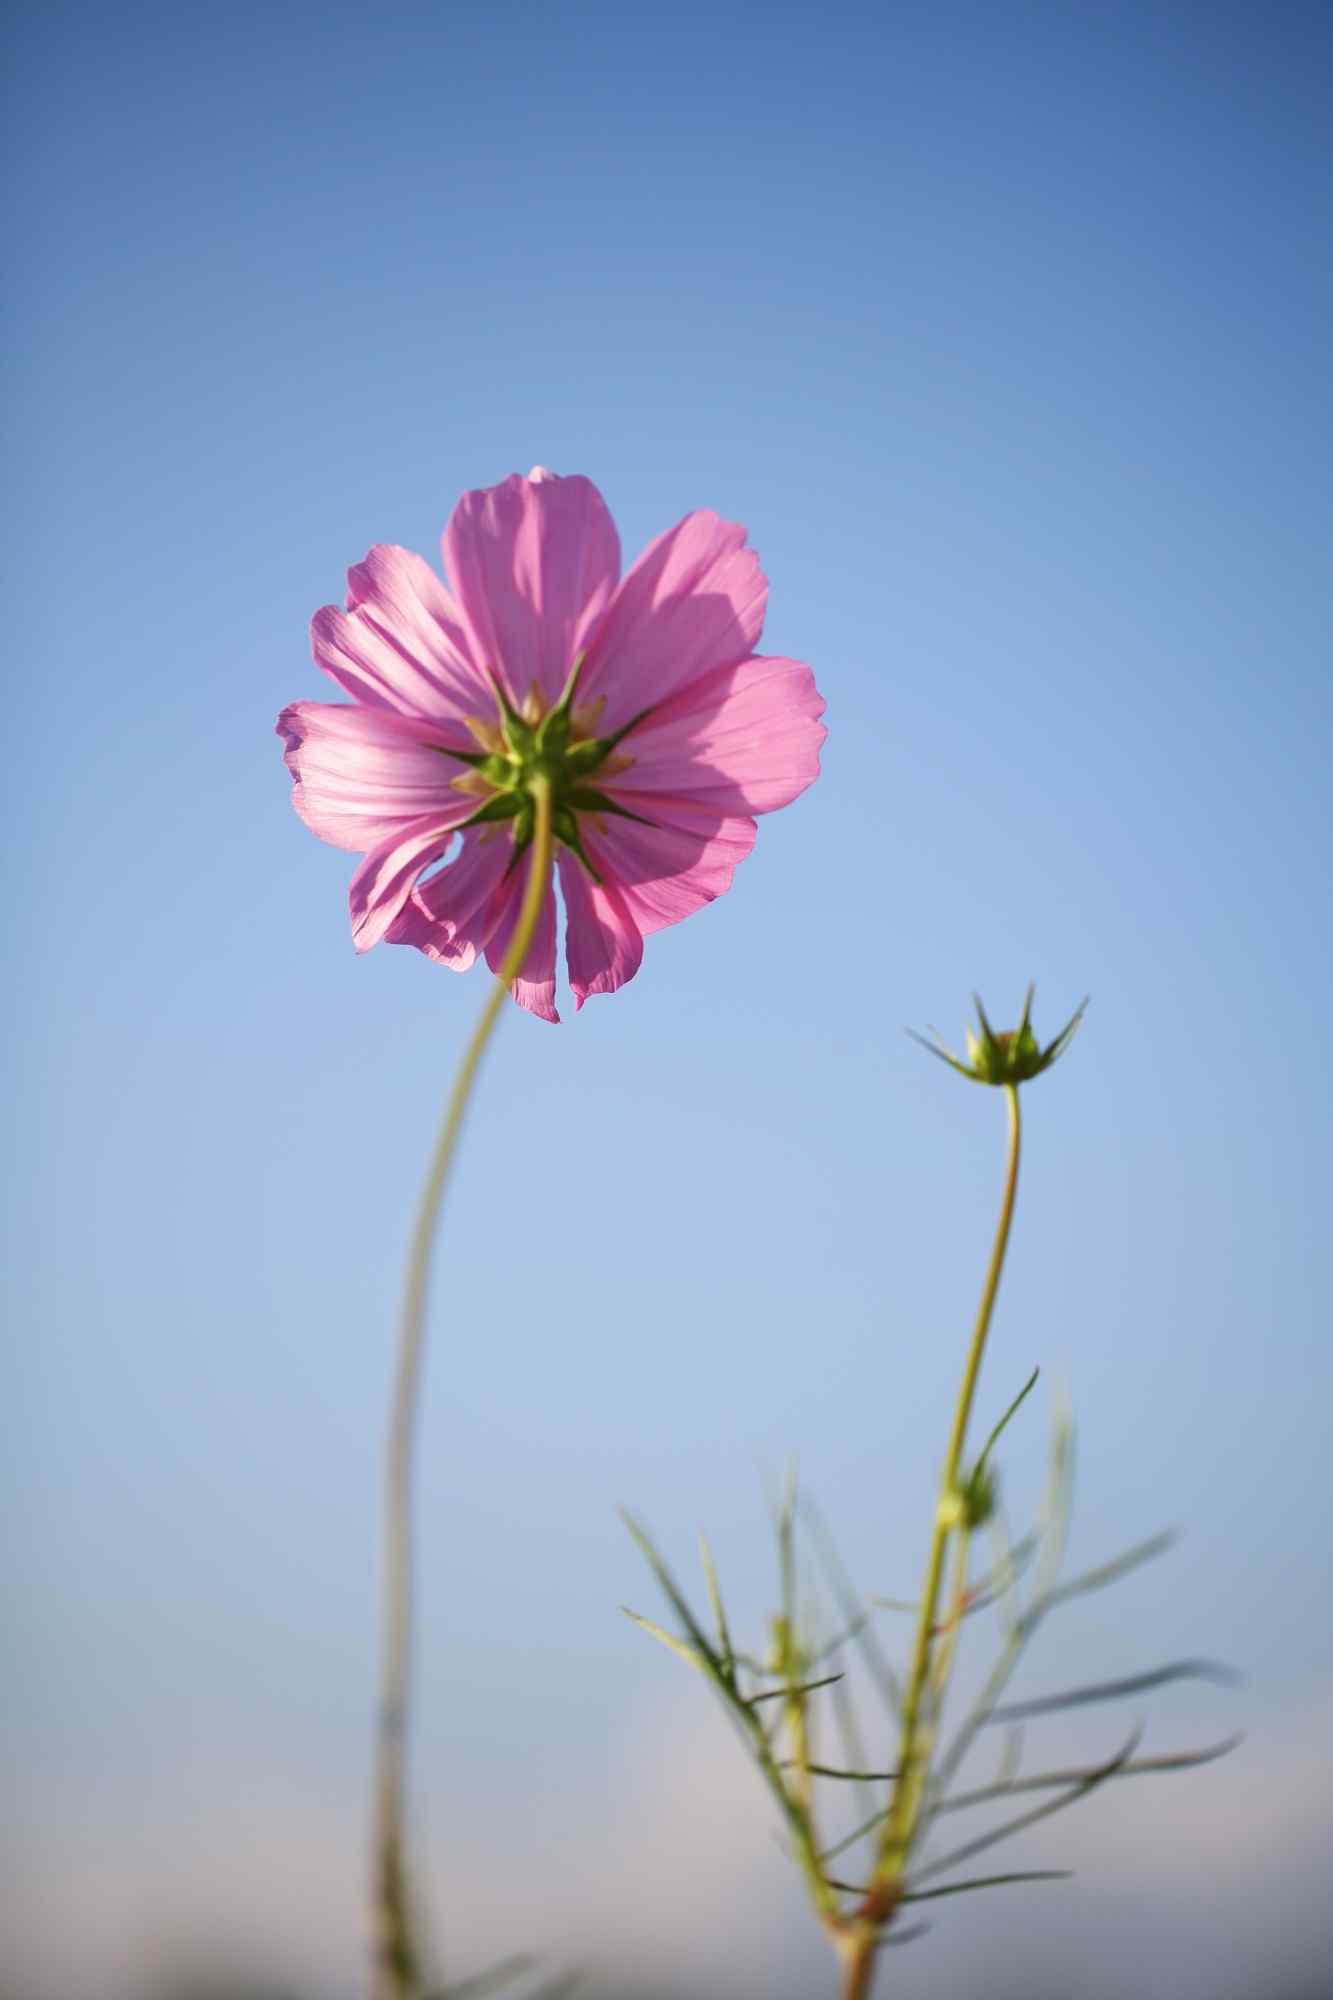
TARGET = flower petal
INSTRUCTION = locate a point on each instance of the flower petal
(452, 913)
(364, 774)
(401, 643)
(385, 879)
(693, 603)
(534, 562)
(535, 986)
(745, 739)
(603, 944)
(671, 868)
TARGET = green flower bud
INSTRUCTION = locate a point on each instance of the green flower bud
(979, 1494)
(1011, 1056)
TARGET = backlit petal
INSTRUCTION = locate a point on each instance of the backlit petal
(666, 871)
(533, 562)
(745, 739)
(401, 642)
(692, 604)
(452, 913)
(603, 944)
(384, 881)
(363, 774)
(535, 986)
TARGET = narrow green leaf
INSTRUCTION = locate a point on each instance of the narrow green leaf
(861, 1777)
(671, 1590)
(1010, 1757)
(492, 1980)
(1012, 1410)
(1179, 1760)
(881, 1673)
(1111, 1572)
(908, 1935)
(788, 1693)
(858, 1833)
(833, 1646)
(678, 1646)
(727, 1657)
(1081, 1697)
(988, 1882)
(1022, 1821)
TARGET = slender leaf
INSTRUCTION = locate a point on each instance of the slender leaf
(988, 1882)
(961, 1888)
(1084, 1785)
(858, 1833)
(678, 1646)
(1080, 1697)
(1012, 1411)
(877, 1666)
(674, 1596)
(861, 1777)
(785, 1693)
(715, 1599)
(492, 1980)
(1181, 1760)
(1111, 1572)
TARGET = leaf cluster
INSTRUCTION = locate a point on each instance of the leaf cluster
(780, 1700)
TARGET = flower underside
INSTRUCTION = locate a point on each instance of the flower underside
(524, 748)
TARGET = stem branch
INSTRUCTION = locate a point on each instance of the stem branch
(917, 1726)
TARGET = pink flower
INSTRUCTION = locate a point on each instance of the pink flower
(661, 729)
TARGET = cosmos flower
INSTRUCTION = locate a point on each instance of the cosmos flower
(641, 701)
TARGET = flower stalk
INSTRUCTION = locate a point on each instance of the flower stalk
(925, 1689)
(397, 1970)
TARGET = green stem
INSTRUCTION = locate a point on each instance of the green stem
(397, 1970)
(915, 1754)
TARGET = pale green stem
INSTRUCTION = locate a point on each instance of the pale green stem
(397, 1973)
(914, 1758)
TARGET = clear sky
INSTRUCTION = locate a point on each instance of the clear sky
(1004, 328)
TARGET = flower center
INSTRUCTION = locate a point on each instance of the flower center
(524, 747)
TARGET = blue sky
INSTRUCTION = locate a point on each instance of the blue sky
(1004, 329)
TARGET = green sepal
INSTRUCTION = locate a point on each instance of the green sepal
(566, 829)
(553, 734)
(582, 759)
(1009, 1057)
(589, 800)
(519, 734)
(505, 805)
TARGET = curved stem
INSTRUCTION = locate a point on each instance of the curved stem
(397, 1971)
(916, 1732)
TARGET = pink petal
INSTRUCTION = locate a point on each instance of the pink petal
(384, 881)
(668, 870)
(534, 562)
(401, 643)
(364, 774)
(693, 603)
(603, 944)
(451, 915)
(745, 739)
(535, 986)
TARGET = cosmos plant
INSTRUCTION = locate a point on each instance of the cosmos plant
(545, 715)
(541, 716)
(779, 1700)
